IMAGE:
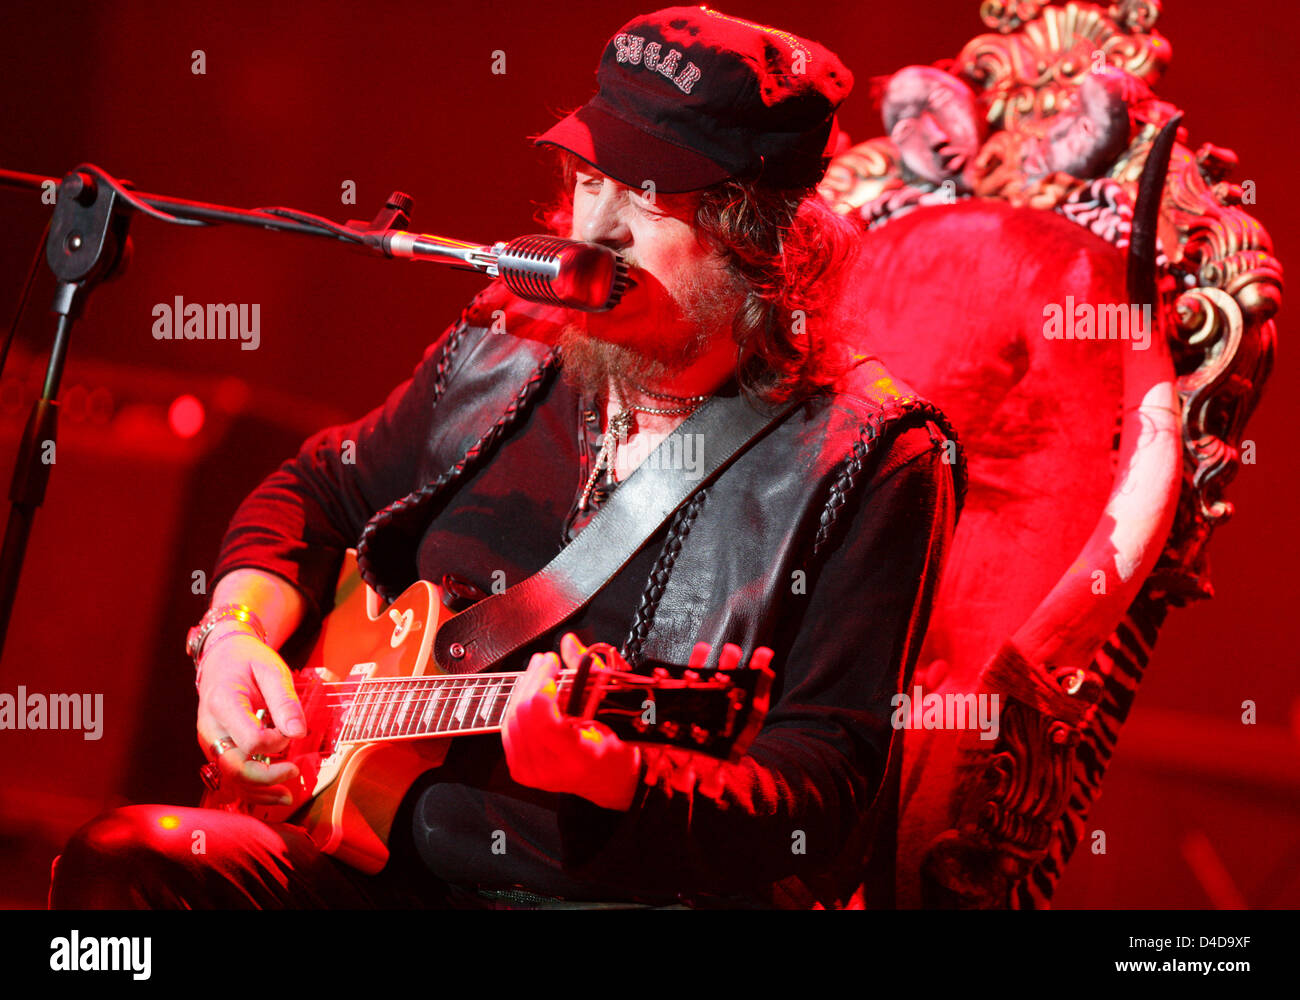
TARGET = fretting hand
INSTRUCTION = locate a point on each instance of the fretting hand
(548, 750)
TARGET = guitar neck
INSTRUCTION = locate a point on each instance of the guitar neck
(710, 711)
(401, 708)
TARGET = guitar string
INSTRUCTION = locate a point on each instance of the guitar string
(370, 719)
(565, 674)
(393, 690)
(365, 717)
(620, 681)
(383, 700)
(425, 691)
(415, 694)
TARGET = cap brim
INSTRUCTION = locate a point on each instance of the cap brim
(630, 155)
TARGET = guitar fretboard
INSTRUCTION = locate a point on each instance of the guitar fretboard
(408, 707)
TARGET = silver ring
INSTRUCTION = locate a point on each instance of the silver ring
(222, 745)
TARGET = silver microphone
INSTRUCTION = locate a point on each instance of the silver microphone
(540, 268)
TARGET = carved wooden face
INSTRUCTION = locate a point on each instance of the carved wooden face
(934, 122)
(1091, 131)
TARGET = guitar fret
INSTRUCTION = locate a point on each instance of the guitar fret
(373, 705)
(501, 699)
(367, 700)
(448, 703)
(408, 692)
(345, 729)
(419, 692)
(487, 693)
(484, 704)
(351, 730)
(356, 715)
(455, 705)
(472, 695)
(390, 703)
(462, 705)
(488, 702)
(461, 702)
(430, 707)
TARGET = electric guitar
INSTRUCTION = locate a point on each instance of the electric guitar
(379, 711)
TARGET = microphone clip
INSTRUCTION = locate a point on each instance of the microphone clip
(396, 214)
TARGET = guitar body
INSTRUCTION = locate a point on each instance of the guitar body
(350, 790)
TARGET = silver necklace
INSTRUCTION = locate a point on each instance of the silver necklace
(620, 427)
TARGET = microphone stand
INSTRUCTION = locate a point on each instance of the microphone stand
(87, 244)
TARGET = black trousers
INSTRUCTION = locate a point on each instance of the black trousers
(168, 857)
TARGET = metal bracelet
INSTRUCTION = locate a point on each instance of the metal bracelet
(241, 613)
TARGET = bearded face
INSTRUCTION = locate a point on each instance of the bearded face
(682, 300)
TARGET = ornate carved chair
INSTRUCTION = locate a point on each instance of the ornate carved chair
(998, 217)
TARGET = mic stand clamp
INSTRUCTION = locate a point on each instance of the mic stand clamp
(396, 214)
(88, 243)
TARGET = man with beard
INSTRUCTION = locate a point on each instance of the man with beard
(818, 546)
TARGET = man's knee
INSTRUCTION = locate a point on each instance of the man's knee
(129, 858)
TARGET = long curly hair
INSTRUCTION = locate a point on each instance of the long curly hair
(791, 251)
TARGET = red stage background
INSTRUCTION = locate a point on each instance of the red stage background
(299, 99)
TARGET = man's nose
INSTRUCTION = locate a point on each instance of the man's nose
(933, 133)
(605, 222)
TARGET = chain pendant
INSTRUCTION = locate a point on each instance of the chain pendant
(620, 426)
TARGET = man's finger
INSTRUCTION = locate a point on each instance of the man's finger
(275, 795)
(531, 681)
(571, 650)
(257, 773)
(208, 742)
(234, 715)
(281, 699)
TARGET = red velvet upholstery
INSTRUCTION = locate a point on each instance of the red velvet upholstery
(951, 298)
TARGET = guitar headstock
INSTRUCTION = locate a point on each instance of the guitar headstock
(713, 712)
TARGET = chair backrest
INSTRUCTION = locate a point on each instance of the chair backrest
(996, 278)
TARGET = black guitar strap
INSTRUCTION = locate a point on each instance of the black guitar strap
(489, 631)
